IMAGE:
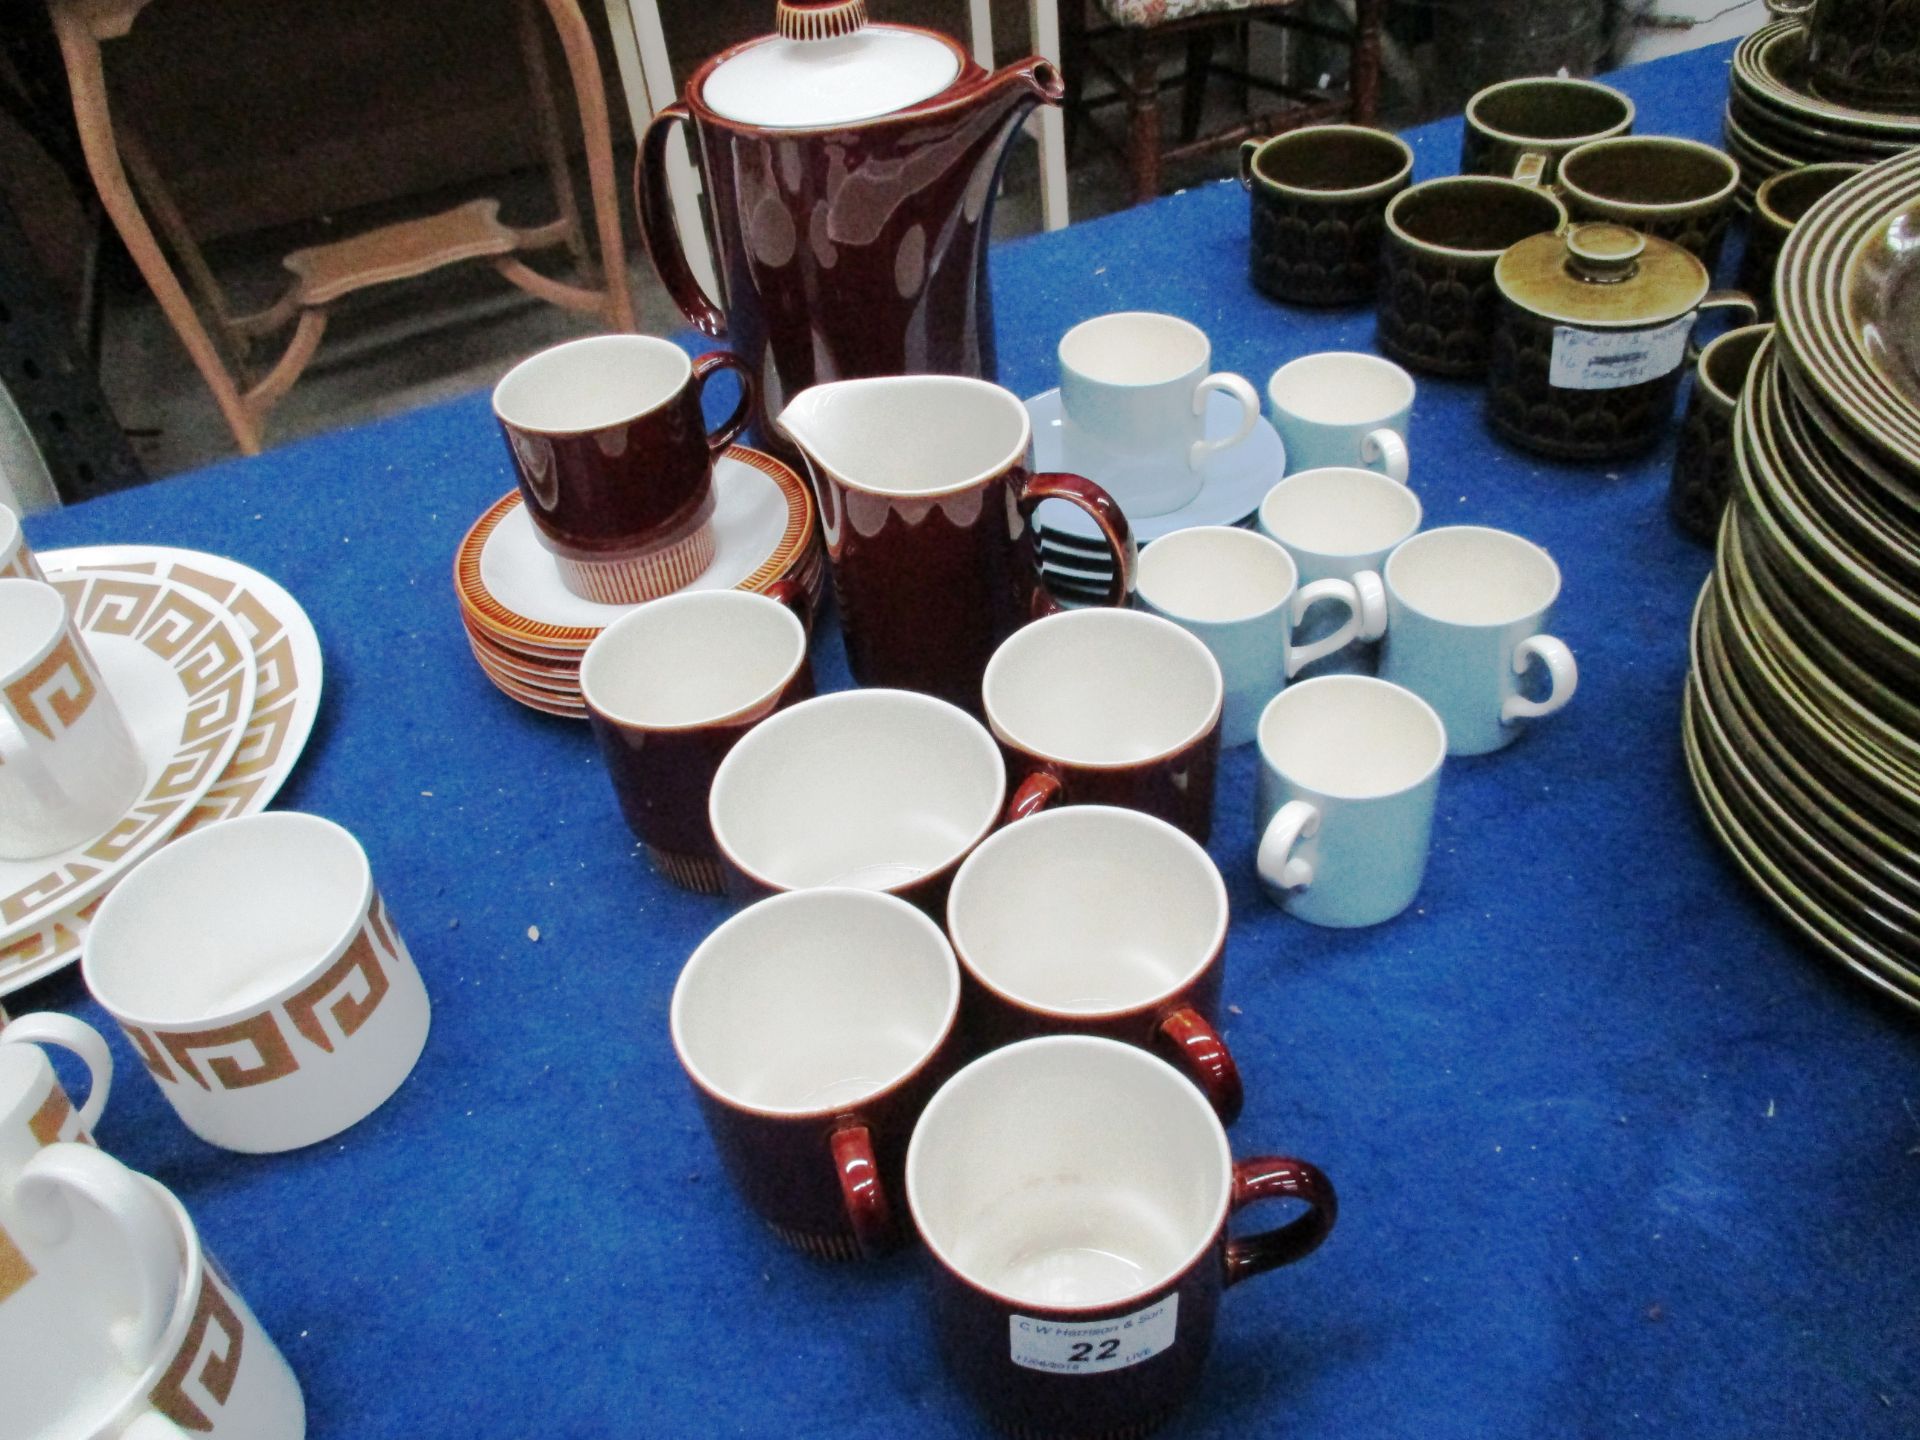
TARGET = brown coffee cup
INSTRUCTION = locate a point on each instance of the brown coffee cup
(1778, 205)
(1438, 301)
(1108, 707)
(1521, 128)
(1703, 473)
(615, 460)
(1094, 920)
(1318, 195)
(814, 1026)
(1680, 190)
(1074, 1194)
(670, 689)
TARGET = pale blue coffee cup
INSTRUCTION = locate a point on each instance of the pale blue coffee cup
(1240, 595)
(1342, 407)
(1349, 771)
(1467, 611)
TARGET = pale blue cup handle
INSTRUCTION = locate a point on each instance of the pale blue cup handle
(1249, 414)
(1561, 671)
(1373, 604)
(1304, 599)
(1276, 862)
(1386, 452)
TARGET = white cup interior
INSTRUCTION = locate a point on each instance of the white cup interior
(1340, 510)
(1469, 575)
(1068, 1172)
(1102, 687)
(910, 434)
(1215, 573)
(1088, 910)
(227, 918)
(31, 616)
(811, 1001)
(692, 659)
(1352, 736)
(1134, 347)
(589, 384)
(864, 788)
(1340, 387)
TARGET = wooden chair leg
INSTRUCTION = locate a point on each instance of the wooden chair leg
(92, 116)
(553, 145)
(1143, 117)
(1363, 72)
(1193, 84)
(590, 95)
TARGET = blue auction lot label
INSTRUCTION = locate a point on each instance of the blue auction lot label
(1611, 359)
(1092, 1346)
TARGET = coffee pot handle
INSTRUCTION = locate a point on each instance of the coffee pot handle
(1277, 1177)
(661, 232)
(1198, 1050)
(1105, 513)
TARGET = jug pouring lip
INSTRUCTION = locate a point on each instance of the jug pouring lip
(1035, 75)
(984, 432)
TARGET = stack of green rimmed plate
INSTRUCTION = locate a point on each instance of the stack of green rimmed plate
(1777, 119)
(1802, 723)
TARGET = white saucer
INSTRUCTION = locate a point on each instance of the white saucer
(1233, 482)
(751, 514)
(181, 670)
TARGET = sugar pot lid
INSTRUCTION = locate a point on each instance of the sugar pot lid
(1602, 276)
(827, 65)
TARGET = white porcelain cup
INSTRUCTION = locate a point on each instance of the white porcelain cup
(1240, 595)
(69, 767)
(1349, 767)
(1341, 523)
(1466, 608)
(254, 968)
(1133, 391)
(869, 789)
(213, 1370)
(87, 1266)
(1342, 407)
(16, 557)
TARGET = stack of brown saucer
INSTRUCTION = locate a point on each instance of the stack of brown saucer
(528, 631)
(1803, 708)
(1782, 113)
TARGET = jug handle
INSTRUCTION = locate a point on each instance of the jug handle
(662, 234)
(1101, 509)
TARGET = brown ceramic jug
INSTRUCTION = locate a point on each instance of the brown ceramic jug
(850, 171)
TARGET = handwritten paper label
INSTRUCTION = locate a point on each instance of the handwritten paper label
(1093, 1346)
(1610, 359)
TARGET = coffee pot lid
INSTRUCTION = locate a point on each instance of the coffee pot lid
(828, 66)
(1602, 276)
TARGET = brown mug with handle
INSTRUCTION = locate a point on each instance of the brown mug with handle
(1093, 920)
(814, 1026)
(1074, 1193)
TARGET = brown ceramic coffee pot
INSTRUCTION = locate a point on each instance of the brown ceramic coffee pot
(850, 171)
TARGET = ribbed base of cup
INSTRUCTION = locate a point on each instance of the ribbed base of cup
(840, 1249)
(640, 577)
(699, 873)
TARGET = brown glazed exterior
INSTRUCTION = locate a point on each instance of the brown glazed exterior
(631, 487)
(1703, 474)
(661, 779)
(1863, 52)
(1177, 1026)
(1438, 301)
(1679, 190)
(1778, 204)
(973, 1324)
(832, 1185)
(1177, 787)
(926, 892)
(1318, 198)
(928, 585)
(851, 250)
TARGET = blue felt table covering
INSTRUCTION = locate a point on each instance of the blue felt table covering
(1617, 1153)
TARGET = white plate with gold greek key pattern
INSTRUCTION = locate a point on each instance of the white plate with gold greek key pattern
(182, 671)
